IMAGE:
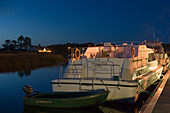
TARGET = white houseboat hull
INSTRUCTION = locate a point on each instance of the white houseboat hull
(125, 71)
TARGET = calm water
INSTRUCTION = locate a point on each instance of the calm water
(11, 93)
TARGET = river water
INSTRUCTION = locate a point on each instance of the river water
(11, 93)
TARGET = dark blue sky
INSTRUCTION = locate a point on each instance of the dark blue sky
(49, 22)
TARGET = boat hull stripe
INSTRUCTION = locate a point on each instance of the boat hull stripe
(137, 60)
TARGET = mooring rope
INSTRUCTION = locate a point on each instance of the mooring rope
(150, 93)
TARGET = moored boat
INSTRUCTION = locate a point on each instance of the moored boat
(160, 54)
(125, 69)
(67, 99)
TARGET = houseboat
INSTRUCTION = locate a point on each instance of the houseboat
(125, 69)
(160, 54)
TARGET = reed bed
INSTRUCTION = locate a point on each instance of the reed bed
(24, 60)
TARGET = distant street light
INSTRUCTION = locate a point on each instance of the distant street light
(69, 49)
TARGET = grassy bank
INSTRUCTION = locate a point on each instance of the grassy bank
(10, 62)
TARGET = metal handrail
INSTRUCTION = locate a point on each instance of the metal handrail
(75, 65)
(94, 68)
(85, 66)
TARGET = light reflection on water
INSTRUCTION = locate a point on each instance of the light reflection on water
(11, 93)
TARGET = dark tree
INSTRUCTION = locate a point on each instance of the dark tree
(11, 47)
(14, 42)
(7, 43)
(21, 42)
(27, 42)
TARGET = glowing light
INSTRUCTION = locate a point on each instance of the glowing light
(44, 51)
(69, 47)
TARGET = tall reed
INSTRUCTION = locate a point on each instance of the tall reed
(18, 61)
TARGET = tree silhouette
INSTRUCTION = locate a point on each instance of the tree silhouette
(14, 42)
(7, 43)
(11, 47)
(27, 42)
(21, 42)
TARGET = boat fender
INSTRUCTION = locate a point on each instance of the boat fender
(132, 52)
(77, 53)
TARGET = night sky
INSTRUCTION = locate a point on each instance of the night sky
(49, 22)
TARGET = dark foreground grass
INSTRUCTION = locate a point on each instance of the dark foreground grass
(10, 62)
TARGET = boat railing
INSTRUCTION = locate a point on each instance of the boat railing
(92, 70)
(98, 65)
(77, 69)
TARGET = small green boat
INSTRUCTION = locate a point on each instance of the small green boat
(67, 99)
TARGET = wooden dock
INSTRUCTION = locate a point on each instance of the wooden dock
(163, 104)
(160, 103)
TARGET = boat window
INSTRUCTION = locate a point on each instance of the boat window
(151, 57)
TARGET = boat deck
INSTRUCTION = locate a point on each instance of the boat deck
(160, 103)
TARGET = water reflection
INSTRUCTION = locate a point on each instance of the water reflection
(40, 79)
(30, 109)
(113, 107)
(109, 107)
(24, 73)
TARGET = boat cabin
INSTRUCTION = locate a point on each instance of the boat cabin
(125, 61)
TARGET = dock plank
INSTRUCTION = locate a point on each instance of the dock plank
(160, 102)
(163, 104)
